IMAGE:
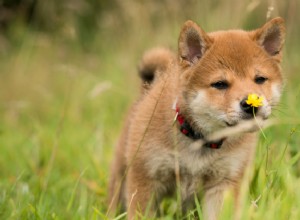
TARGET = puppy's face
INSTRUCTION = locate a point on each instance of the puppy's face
(221, 69)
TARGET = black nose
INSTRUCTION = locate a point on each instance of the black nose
(250, 110)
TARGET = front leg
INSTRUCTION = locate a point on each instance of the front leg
(213, 201)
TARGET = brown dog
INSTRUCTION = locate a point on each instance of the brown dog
(169, 138)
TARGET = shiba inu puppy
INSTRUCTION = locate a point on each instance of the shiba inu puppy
(168, 140)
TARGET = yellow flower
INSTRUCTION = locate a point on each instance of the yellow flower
(254, 100)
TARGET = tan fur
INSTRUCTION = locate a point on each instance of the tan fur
(159, 157)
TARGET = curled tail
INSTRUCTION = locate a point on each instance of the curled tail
(154, 62)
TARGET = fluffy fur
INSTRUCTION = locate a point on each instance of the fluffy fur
(153, 157)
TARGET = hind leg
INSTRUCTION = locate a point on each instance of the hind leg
(116, 194)
(116, 200)
(141, 195)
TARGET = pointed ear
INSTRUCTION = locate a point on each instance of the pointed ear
(193, 42)
(271, 36)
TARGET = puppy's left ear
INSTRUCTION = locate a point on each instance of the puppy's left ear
(271, 37)
(193, 43)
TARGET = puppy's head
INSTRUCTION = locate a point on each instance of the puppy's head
(220, 69)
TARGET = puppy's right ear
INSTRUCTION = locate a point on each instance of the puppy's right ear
(193, 42)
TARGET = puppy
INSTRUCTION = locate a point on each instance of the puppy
(169, 143)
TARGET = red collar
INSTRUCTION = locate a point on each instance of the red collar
(188, 131)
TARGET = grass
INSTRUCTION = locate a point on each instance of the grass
(61, 110)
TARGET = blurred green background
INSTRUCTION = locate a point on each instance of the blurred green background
(68, 73)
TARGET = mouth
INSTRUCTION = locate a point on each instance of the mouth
(234, 123)
(231, 124)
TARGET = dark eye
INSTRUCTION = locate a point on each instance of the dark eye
(260, 80)
(220, 85)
